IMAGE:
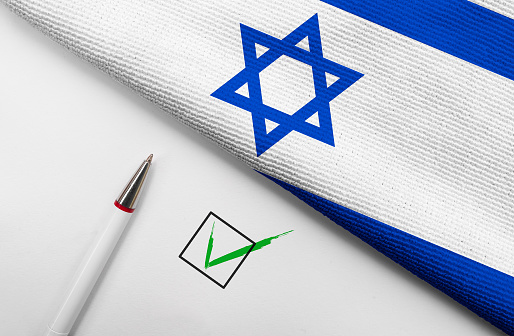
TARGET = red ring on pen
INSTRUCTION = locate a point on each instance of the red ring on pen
(123, 208)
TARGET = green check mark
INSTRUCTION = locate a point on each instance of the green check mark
(237, 253)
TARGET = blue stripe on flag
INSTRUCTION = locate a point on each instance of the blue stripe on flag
(484, 290)
(457, 27)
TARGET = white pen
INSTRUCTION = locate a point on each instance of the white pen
(94, 261)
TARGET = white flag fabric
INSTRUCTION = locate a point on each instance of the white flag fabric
(394, 118)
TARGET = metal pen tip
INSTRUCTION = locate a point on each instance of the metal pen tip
(130, 195)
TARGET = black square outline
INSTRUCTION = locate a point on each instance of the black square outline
(240, 263)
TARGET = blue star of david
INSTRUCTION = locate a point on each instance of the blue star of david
(320, 103)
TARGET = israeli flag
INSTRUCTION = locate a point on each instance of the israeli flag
(394, 118)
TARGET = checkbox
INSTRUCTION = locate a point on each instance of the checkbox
(217, 250)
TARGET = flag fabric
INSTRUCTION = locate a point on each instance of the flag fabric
(394, 118)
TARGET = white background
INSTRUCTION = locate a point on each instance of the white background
(70, 137)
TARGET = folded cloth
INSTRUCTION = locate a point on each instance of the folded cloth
(392, 117)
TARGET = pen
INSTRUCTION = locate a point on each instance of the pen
(96, 258)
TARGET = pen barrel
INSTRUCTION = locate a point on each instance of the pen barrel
(87, 274)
